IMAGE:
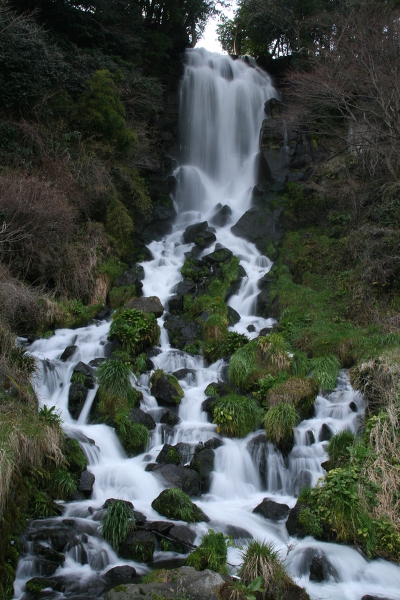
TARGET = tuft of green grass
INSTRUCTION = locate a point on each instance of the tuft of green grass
(340, 447)
(325, 370)
(279, 422)
(243, 365)
(114, 378)
(236, 416)
(118, 522)
(260, 559)
(211, 554)
(140, 364)
(63, 484)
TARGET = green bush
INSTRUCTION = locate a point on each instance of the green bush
(175, 504)
(310, 522)
(211, 554)
(243, 365)
(325, 370)
(134, 437)
(279, 422)
(134, 329)
(114, 379)
(140, 365)
(339, 448)
(236, 416)
(118, 522)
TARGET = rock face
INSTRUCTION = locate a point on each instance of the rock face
(182, 332)
(68, 352)
(322, 570)
(150, 304)
(170, 418)
(293, 525)
(325, 434)
(221, 216)
(303, 480)
(169, 455)
(137, 415)
(191, 232)
(138, 545)
(203, 463)
(77, 395)
(261, 225)
(186, 479)
(185, 582)
(166, 389)
(86, 483)
(272, 510)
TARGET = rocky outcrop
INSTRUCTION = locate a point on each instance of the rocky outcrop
(137, 415)
(185, 582)
(152, 304)
(272, 510)
(173, 475)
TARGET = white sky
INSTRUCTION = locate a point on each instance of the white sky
(209, 40)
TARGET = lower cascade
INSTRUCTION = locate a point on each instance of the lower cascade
(222, 108)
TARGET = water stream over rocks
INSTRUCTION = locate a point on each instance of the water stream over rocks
(221, 112)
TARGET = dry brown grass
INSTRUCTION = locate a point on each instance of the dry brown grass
(294, 391)
(378, 380)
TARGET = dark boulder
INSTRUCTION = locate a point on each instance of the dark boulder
(86, 483)
(150, 304)
(183, 373)
(239, 535)
(182, 333)
(110, 501)
(310, 438)
(68, 352)
(186, 286)
(138, 545)
(87, 371)
(166, 389)
(159, 527)
(368, 597)
(221, 216)
(186, 479)
(322, 570)
(325, 433)
(49, 553)
(191, 232)
(208, 406)
(353, 406)
(182, 534)
(77, 395)
(272, 510)
(261, 225)
(220, 255)
(203, 463)
(293, 525)
(205, 239)
(303, 480)
(121, 574)
(170, 418)
(233, 316)
(168, 456)
(214, 443)
(137, 415)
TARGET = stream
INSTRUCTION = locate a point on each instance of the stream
(222, 108)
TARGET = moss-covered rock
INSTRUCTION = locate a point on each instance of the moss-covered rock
(166, 389)
(236, 416)
(175, 504)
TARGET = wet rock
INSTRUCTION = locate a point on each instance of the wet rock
(45, 568)
(310, 438)
(140, 518)
(186, 479)
(203, 463)
(48, 553)
(182, 534)
(322, 570)
(138, 545)
(325, 434)
(168, 504)
(159, 527)
(170, 418)
(214, 443)
(96, 362)
(77, 395)
(168, 455)
(250, 328)
(186, 286)
(221, 216)
(87, 371)
(166, 389)
(68, 352)
(150, 304)
(181, 332)
(183, 373)
(205, 239)
(272, 510)
(110, 501)
(220, 255)
(303, 480)
(233, 316)
(239, 536)
(207, 405)
(261, 225)
(59, 538)
(185, 582)
(353, 406)
(77, 496)
(120, 574)
(86, 483)
(293, 525)
(368, 597)
(191, 232)
(137, 415)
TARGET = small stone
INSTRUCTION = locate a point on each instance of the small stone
(68, 352)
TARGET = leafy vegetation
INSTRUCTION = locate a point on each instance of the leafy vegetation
(236, 416)
(134, 329)
(118, 522)
(211, 554)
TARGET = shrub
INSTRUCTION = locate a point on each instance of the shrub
(133, 436)
(236, 416)
(175, 504)
(242, 365)
(118, 522)
(339, 448)
(279, 422)
(211, 554)
(134, 329)
(310, 522)
(260, 559)
(114, 378)
(325, 370)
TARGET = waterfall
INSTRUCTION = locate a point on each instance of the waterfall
(221, 111)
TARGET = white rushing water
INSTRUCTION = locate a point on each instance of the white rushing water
(221, 113)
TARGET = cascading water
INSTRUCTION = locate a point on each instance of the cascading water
(221, 113)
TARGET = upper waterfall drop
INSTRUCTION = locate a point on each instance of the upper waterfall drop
(221, 111)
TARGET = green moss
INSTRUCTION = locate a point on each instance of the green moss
(172, 380)
(75, 457)
(236, 416)
(210, 390)
(119, 296)
(195, 269)
(134, 437)
(157, 576)
(78, 378)
(35, 585)
(173, 456)
(113, 267)
(211, 554)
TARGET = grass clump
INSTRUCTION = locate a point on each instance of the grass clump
(325, 370)
(134, 329)
(63, 484)
(114, 378)
(340, 448)
(297, 391)
(175, 504)
(279, 423)
(157, 576)
(211, 554)
(118, 522)
(243, 365)
(134, 437)
(236, 416)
